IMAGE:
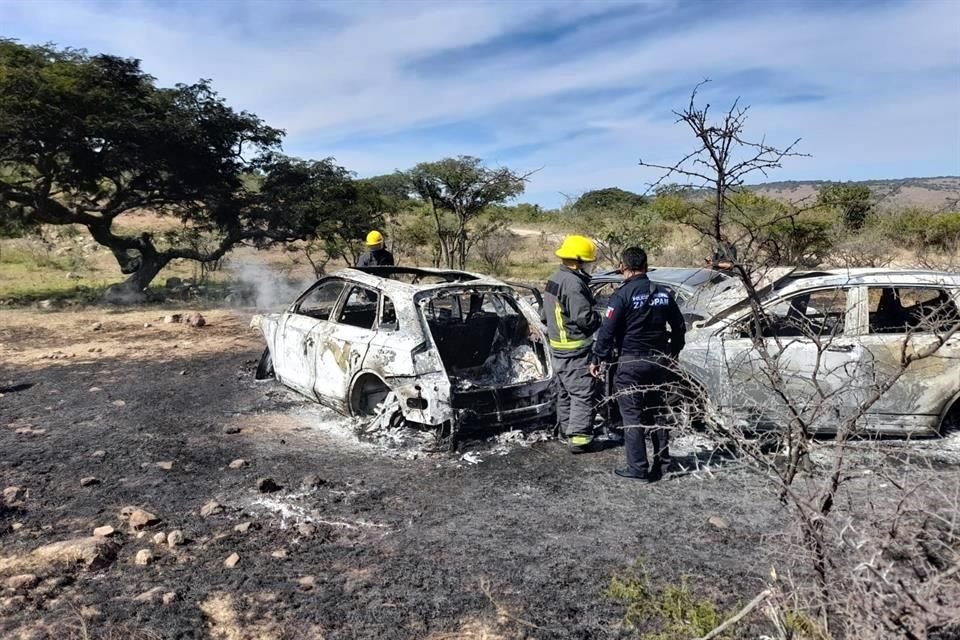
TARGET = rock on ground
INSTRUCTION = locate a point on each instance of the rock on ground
(175, 538)
(12, 494)
(239, 463)
(93, 552)
(143, 557)
(195, 320)
(138, 518)
(151, 596)
(306, 583)
(104, 532)
(22, 582)
(211, 508)
(232, 560)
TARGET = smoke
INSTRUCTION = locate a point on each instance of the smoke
(265, 288)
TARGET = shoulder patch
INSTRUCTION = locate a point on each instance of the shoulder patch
(609, 312)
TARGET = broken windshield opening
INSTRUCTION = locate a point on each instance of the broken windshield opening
(483, 338)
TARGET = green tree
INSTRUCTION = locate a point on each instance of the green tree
(87, 139)
(855, 202)
(458, 190)
(609, 198)
(317, 201)
(618, 224)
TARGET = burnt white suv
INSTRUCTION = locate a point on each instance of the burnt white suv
(448, 347)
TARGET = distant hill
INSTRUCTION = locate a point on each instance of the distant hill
(937, 194)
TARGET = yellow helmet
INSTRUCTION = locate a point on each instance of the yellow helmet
(374, 239)
(577, 248)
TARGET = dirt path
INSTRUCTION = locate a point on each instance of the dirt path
(371, 546)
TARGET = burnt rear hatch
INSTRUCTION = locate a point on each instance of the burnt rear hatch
(495, 357)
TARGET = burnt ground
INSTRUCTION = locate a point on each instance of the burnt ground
(518, 545)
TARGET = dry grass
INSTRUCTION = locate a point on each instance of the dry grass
(40, 338)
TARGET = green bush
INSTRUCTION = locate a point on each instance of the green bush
(918, 229)
(674, 610)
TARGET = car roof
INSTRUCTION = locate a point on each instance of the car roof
(684, 277)
(799, 281)
(395, 279)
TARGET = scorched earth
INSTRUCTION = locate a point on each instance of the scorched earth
(263, 516)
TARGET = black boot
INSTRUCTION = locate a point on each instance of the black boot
(632, 474)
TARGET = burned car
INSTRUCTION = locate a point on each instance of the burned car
(693, 288)
(836, 338)
(446, 348)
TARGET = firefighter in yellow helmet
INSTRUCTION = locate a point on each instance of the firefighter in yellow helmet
(571, 323)
(376, 255)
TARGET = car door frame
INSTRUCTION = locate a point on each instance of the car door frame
(340, 350)
(909, 406)
(732, 392)
(294, 360)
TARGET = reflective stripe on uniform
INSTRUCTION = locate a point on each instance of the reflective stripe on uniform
(569, 345)
(558, 314)
(562, 343)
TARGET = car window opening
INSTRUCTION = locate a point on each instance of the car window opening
(814, 315)
(911, 310)
(360, 308)
(483, 340)
(319, 302)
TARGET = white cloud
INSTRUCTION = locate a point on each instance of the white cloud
(329, 72)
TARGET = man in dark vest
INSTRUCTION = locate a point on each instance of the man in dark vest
(635, 325)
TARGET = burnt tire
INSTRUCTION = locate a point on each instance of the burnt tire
(265, 366)
(950, 424)
(368, 395)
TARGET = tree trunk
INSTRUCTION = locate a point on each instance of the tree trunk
(718, 219)
(133, 289)
(462, 242)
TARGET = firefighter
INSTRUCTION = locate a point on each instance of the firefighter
(635, 325)
(376, 255)
(571, 322)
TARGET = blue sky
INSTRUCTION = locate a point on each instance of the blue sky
(579, 90)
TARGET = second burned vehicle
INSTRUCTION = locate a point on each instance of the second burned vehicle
(442, 348)
(835, 336)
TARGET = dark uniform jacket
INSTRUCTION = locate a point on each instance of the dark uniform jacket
(636, 322)
(569, 312)
(376, 258)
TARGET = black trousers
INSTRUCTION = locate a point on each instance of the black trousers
(640, 385)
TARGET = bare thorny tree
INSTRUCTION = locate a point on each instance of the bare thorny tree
(721, 163)
(876, 532)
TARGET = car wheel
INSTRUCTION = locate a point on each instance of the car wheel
(265, 366)
(951, 422)
(386, 416)
(369, 393)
